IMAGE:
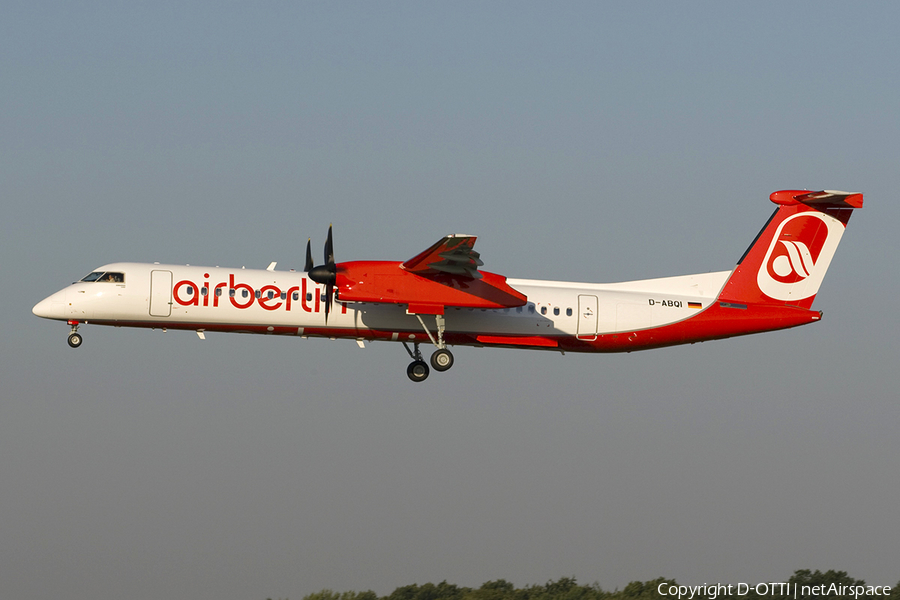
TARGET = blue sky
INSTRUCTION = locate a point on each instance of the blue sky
(589, 142)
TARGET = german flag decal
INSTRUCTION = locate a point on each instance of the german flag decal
(694, 305)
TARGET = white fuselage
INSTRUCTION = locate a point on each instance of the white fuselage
(289, 303)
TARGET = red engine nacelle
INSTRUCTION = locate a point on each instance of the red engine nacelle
(388, 282)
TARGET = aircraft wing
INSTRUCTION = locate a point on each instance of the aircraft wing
(454, 254)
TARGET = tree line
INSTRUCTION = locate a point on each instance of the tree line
(833, 584)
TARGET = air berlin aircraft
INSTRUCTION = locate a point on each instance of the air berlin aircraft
(440, 296)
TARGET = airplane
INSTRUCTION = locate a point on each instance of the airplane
(442, 297)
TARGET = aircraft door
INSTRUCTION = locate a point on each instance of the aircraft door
(587, 317)
(160, 293)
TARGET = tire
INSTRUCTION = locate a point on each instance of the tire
(75, 340)
(441, 360)
(417, 371)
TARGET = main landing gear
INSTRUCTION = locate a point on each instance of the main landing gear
(418, 369)
(441, 359)
(75, 338)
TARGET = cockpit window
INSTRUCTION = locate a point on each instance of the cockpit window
(108, 276)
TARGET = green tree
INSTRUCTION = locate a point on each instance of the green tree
(493, 590)
(429, 591)
(637, 590)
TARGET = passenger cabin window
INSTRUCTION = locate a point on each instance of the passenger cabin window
(543, 310)
(107, 276)
(556, 310)
(568, 312)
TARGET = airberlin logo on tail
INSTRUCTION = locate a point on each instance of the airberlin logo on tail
(799, 255)
(791, 262)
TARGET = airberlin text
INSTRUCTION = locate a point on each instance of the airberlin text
(243, 296)
(778, 589)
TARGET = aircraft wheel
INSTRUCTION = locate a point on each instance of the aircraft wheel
(417, 370)
(441, 360)
(75, 340)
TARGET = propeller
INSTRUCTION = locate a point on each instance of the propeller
(324, 274)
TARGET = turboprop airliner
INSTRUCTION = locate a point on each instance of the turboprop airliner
(442, 297)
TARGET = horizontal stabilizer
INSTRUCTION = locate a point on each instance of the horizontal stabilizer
(823, 199)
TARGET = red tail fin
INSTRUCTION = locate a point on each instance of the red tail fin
(787, 261)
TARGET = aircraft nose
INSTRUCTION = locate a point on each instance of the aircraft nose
(52, 307)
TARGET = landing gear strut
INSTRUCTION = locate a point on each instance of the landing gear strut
(441, 360)
(418, 368)
(75, 338)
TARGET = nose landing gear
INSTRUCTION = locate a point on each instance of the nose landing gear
(75, 338)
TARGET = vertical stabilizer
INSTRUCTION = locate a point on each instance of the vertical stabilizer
(786, 263)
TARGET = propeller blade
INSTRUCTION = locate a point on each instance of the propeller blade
(332, 273)
(329, 294)
(309, 262)
(329, 250)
